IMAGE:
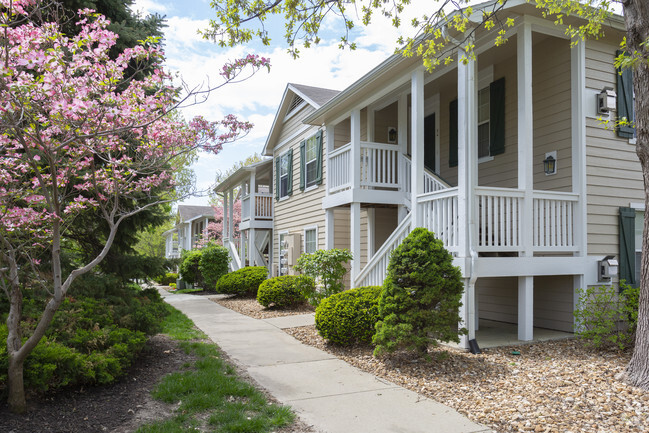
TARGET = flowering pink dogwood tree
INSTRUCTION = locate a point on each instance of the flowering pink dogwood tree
(77, 134)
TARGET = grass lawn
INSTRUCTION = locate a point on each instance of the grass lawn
(209, 394)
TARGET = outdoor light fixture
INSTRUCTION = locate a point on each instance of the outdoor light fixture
(550, 163)
(607, 268)
(606, 100)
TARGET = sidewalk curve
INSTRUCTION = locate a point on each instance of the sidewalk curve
(323, 390)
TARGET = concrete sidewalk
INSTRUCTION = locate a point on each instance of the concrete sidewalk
(324, 391)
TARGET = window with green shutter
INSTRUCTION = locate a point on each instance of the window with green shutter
(284, 175)
(311, 161)
(625, 103)
(627, 246)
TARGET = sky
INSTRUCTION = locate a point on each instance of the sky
(256, 100)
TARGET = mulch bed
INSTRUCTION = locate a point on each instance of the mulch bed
(250, 307)
(554, 386)
(119, 407)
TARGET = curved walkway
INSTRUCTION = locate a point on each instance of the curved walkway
(324, 391)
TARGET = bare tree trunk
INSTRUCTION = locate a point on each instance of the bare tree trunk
(16, 399)
(636, 15)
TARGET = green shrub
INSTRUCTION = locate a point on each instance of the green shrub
(285, 291)
(167, 279)
(349, 317)
(172, 285)
(420, 298)
(213, 264)
(607, 318)
(189, 267)
(244, 281)
(327, 266)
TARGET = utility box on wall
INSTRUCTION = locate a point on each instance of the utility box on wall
(294, 248)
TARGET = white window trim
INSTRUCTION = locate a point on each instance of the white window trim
(306, 162)
(309, 228)
(282, 155)
(485, 78)
(311, 188)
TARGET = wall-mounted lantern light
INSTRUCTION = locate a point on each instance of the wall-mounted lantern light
(606, 100)
(607, 268)
(550, 163)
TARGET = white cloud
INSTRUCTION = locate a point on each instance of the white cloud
(147, 7)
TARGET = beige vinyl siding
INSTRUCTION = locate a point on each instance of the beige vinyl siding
(553, 301)
(302, 209)
(384, 119)
(552, 112)
(613, 171)
(385, 222)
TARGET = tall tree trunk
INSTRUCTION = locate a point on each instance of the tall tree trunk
(16, 399)
(636, 15)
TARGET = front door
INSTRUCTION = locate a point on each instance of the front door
(429, 142)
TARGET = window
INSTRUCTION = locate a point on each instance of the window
(491, 122)
(483, 123)
(311, 161)
(310, 240)
(284, 175)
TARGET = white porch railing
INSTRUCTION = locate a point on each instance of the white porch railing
(432, 182)
(375, 271)
(499, 219)
(554, 219)
(440, 215)
(263, 207)
(379, 165)
(338, 169)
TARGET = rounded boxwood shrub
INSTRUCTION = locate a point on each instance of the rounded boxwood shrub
(189, 270)
(349, 317)
(284, 291)
(421, 297)
(213, 263)
(245, 281)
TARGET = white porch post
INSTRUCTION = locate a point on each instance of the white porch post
(355, 235)
(330, 134)
(355, 151)
(402, 131)
(578, 85)
(467, 168)
(329, 229)
(230, 214)
(525, 308)
(224, 220)
(252, 249)
(417, 144)
(525, 176)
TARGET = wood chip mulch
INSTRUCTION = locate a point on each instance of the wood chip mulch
(250, 307)
(557, 386)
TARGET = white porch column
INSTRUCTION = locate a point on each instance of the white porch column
(355, 239)
(417, 145)
(525, 176)
(578, 85)
(371, 227)
(525, 134)
(525, 308)
(402, 131)
(230, 214)
(330, 134)
(224, 221)
(252, 249)
(355, 151)
(467, 170)
(329, 229)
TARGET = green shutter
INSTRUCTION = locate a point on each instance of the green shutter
(627, 245)
(289, 187)
(497, 117)
(302, 164)
(277, 163)
(318, 161)
(625, 101)
(452, 141)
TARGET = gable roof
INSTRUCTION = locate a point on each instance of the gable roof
(243, 173)
(314, 96)
(187, 212)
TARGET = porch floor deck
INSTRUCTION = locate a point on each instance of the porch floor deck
(497, 334)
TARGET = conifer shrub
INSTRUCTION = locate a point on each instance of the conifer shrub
(285, 291)
(244, 281)
(213, 264)
(349, 317)
(420, 298)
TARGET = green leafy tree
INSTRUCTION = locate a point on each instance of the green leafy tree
(420, 300)
(327, 266)
(240, 21)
